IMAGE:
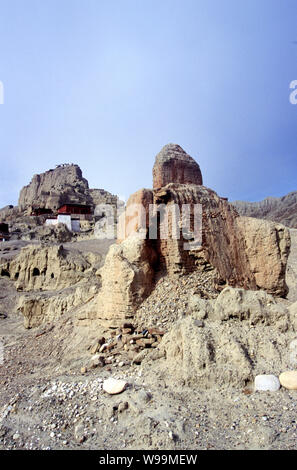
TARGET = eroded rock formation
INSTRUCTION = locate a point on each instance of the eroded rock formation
(238, 251)
(127, 279)
(237, 247)
(174, 165)
(64, 184)
(46, 308)
(244, 252)
(267, 246)
(219, 353)
(49, 268)
(136, 215)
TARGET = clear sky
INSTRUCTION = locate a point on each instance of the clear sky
(107, 83)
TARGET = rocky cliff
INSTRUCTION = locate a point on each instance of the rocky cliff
(282, 210)
(64, 184)
(240, 251)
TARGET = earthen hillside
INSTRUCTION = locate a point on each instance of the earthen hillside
(141, 342)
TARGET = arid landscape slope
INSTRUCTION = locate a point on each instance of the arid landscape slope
(188, 331)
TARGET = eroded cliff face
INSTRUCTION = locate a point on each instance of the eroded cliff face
(221, 245)
(267, 247)
(245, 252)
(55, 187)
(241, 251)
(40, 308)
(238, 251)
(49, 268)
(127, 279)
(54, 280)
(64, 184)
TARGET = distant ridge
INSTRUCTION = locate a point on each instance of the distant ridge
(282, 209)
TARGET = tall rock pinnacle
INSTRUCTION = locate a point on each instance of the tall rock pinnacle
(174, 165)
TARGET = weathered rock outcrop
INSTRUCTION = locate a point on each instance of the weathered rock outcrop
(238, 247)
(254, 307)
(55, 187)
(136, 215)
(5, 212)
(44, 308)
(64, 184)
(49, 268)
(203, 358)
(282, 210)
(9, 214)
(267, 247)
(219, 355)
(242, 251)
(127, 279)
(221, 244)
(174, 165)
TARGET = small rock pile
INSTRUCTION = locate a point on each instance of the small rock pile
(124, 346)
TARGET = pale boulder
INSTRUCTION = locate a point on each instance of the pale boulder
(288, 379)
(114, 386)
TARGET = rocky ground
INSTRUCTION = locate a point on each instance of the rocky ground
(52, 398)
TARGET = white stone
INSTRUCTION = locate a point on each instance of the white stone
(288, 379)
(114, 386)
(267, 383)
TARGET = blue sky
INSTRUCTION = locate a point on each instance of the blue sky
(107, 83)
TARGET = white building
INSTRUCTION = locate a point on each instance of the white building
(72, 224)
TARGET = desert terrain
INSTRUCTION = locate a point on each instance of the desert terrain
(188, 334)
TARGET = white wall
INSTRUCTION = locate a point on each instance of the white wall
(72, 225)
(65, 219)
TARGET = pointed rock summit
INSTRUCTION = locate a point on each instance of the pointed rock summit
(174, 165)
